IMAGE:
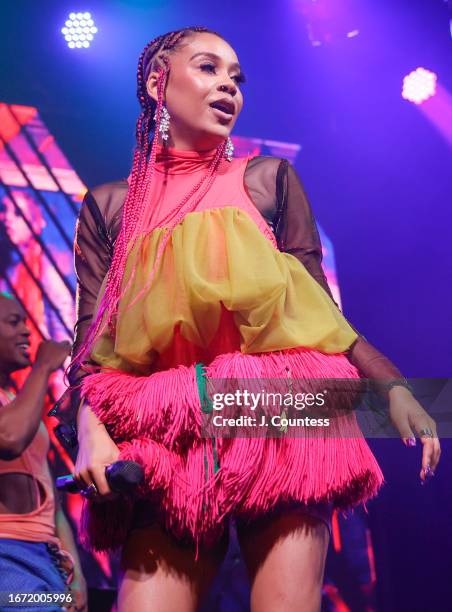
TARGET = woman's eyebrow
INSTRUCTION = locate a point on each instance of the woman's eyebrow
(214, 56)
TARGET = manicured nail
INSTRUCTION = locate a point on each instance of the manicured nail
(411, 441)
(428, 475)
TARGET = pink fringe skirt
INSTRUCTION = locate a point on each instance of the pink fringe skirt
(196, 482)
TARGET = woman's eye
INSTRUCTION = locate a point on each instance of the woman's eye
(208, 67)
(238, 78)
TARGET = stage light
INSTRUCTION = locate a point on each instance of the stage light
(79, 30)
(419, 85)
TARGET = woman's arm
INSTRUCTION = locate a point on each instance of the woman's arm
(296, 233)
(96, 229)
(92, 256)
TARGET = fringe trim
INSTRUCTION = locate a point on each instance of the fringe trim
(160, 419)
(164, 406)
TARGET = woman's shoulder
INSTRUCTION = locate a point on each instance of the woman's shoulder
(265, 162)
(106, 193)
(264, 175)
(267, 169)
(105, 203)
(264, 178)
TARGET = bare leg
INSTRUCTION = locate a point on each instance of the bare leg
(159, 575)
(285, 558)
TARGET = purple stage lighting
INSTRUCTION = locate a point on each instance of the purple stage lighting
(79, 30)
(419, 85)
(328, 21)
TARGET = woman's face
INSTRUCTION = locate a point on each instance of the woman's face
(204, 74)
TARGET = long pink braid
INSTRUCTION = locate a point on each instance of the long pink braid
(138, 195)
(176, 216)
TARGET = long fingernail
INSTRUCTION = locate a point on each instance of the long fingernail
(411, 441)
(428, 475)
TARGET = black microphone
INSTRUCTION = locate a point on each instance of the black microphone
(122, 477)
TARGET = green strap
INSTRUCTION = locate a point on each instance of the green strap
(207, 408)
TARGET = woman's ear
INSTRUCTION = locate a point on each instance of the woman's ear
(151, 85)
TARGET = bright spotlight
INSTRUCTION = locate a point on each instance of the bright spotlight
(419, 85)
(79, 30)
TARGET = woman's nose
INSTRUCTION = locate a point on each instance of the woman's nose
(230, 88)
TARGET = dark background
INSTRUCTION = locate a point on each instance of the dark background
(378, 174)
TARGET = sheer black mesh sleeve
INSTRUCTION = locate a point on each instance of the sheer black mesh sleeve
(93, 249)
(96, 231)
(295, 227)
(296, 233)
(92, 256)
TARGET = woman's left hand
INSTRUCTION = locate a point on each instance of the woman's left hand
(408, 416)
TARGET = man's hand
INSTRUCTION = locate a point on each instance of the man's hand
(79, 592)
(51, 355)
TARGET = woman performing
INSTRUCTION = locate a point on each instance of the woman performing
(203, 267)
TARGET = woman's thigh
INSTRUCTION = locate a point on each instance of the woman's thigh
(285, 558)
(160, 574)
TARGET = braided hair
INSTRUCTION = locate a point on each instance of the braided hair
(154, 57)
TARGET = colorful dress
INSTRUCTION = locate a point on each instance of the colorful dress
(228, 302)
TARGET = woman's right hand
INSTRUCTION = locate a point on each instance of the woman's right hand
(96, 451)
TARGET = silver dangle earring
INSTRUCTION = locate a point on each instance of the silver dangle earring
(229, 150)
(164, 123)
